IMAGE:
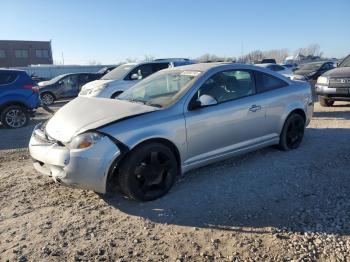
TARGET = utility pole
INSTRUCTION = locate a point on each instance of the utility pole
(62, 59)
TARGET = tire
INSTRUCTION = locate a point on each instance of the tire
(116, 94)
(325, 102)
(292, 133)
(148, 172)
(47, 98)
(14, 116)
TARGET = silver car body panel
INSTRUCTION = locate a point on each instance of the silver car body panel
(89, 113)
(83, 168)
(200, 137)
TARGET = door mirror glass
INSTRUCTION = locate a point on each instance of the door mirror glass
(136, 77)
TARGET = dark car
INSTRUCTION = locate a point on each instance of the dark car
(334, 85)
(105, 70)
(19, 97)
(311, 71)
(64, 86)
(268, 61)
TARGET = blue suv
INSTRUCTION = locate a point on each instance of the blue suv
(19, 96)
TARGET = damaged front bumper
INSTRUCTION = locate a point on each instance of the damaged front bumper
(86, 168)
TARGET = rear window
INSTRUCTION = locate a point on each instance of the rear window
(265, 82)
(7, 77)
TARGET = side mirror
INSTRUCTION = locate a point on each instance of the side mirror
(60, 82)
(136, 77)
(204, 101)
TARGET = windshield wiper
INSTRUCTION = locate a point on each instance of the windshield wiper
(154, 105)
(137, 101)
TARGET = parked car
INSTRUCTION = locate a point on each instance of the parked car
(125, 76)
(64, 86)
(18, 98)
(268, 61)
(278, 68)
(292, 67)
(334, 85)
(105, 70)
(311, 71)
(164, 126)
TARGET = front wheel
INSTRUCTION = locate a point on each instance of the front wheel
(292, 132)
(325, 102)
(47, 98)
(148, 172)
(14, 116)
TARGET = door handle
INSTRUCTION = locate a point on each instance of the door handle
(254, 108)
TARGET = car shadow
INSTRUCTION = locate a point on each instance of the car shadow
(333, 114)
(299, 190)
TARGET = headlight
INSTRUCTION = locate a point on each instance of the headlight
(84, 140)
(322, 80)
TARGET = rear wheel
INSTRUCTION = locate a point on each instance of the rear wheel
(325, 102)
(47, 98)
(148, 172)
(14, 116)
(292, 132)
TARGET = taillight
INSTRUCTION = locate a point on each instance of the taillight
(34, 88)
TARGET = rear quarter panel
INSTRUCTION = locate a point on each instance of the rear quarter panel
(296, 96)
(15, 93)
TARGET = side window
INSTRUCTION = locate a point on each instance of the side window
(83, 78)
(7, 77)
(159, 66)
(228, 85)
(265, 82)
(70, 82)
(143, 70)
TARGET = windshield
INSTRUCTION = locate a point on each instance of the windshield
(118, 73)
(55, 79)
(312, 66)
(346, 62)
(161, 89)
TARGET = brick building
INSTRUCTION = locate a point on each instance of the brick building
(15, 53)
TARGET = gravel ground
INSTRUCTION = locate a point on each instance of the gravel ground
(264, 206)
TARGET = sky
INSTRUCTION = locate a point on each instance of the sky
(110, 31)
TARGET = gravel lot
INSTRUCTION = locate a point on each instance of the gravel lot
(265, 206)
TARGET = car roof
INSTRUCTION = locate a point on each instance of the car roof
(157, 61)
(90, 73)
(204, 67)
(201, 66)
(11, 70)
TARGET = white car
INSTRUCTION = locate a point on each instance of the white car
(125, 76)
(278, 69)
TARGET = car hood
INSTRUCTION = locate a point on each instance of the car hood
(44, 84)
(96, 84)
(304, 71)
(85, 113)
(338, 72)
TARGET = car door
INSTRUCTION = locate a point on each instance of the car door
(69, 86)
(273, 91)
(237, 121)
(143, 71)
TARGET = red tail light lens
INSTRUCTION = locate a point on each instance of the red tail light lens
(34, 88)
